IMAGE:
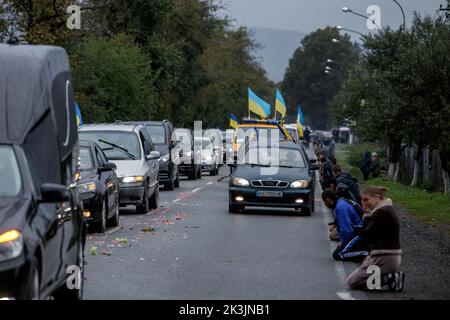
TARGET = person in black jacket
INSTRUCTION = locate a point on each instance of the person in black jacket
(326, 166)
(381, 233)
(348, 180)
(366, 165)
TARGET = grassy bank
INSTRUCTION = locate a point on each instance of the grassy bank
(432, 208)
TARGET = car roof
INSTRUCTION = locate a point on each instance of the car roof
(110, 127)
(145, 123)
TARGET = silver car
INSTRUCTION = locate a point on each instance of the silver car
(132, 150)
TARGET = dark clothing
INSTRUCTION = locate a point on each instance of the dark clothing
(375, 168)
(354, 249)
(351, 182)
(366, 165)
(382, 229)
(326, 170)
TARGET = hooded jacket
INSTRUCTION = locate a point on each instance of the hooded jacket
(382, 229)
(352, 184)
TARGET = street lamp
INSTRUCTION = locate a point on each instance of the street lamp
(340, 28)
(348, 10)
(335, 41)
(330, 61)
(403, 14)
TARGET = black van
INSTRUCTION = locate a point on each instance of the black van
(42, 230)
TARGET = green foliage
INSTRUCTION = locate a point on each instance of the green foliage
(111, 80)
(305, 81)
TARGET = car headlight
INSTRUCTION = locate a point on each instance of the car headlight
(207, 158)
(87, 187)
(240, 182)
(164, 158)
(11, 245)
(299, 184)
(132, 179)
(188, 154)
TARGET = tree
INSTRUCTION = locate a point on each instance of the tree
(305, 81)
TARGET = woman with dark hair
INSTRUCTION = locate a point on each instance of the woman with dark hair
(382, 236)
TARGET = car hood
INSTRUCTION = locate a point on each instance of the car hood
(127, 168)
(262, 173)
(13, 213)
(87, 176)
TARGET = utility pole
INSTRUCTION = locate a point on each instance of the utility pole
(446, 10)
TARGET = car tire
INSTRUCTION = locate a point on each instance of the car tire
(154, 199)
(177, 180)
(232, 208)
(30, 288)
(304, 212)
(213, 172)
(114, 221)
(144, 206)
(199, 172)
(169, 186)
(313, 203)
(66, 294)
(100, 226)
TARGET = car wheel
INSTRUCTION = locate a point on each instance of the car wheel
(232, 208)
(169, 185)
(177, 181)
(313, 204)
(304, 212)
(154, 199)
(100, 226)
(199, 172)
(213, 170)
(114, 221)
(144, 207)
(30, 289)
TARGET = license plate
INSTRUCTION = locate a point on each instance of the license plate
(270, 194)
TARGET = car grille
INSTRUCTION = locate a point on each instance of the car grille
(269, 183)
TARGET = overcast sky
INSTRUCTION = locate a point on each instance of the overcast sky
(309, 15)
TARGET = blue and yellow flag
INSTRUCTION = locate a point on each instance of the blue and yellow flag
(302, 120)
(78, 113)
(234, 123)
(258, 105)
(299, 123)
(280, 105)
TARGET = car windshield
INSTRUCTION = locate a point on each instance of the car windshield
(10, 183)
(86, 162)
(126, 144)
(157, 133)
(183, 136)
(207, 144)
(279, 157)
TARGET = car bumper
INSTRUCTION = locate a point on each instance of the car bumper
(92, 202)
(165, 173)
(131, 195)
(288, 200)
(10, 277)
(186, 168)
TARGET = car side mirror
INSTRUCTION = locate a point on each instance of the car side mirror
(313, 160)
(314, 166)
(154, 155)
(52, 193)
(108, 166)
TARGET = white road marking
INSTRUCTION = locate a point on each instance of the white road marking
(210, 183)
(338, 266)
(176, 200)
(196, 190)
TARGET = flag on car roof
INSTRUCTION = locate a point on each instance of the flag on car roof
(258, 105)
(280, 105)
(234, 123)
(299, 122)
(78, 113)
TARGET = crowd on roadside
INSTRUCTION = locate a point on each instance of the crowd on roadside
(365, 224)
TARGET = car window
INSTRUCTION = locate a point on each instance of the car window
(157, 133)
(86, 161)
(280, 157)
(10, 183)
(102, 156)
(184, 137)
(126, 143)
(99, 158)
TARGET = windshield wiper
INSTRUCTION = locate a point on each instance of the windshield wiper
(115, 146)
(259, 165)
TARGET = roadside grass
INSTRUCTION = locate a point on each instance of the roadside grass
(430, 207)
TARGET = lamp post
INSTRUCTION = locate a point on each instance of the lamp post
(349, 30)
(348, 10)
(403, 13)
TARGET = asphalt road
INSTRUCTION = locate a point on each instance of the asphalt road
(192, 248)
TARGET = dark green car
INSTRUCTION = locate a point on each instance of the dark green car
(273, 177)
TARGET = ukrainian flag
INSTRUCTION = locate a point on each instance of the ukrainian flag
(78, 113)
(258, 105)
(299, 122)
(302, 120)
(234, 121)
(280, 105)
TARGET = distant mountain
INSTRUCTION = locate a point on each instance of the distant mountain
(278, 47)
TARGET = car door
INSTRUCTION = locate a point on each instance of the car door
(148, 147)
(107, 177)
